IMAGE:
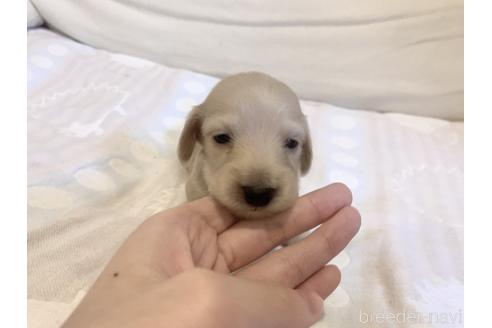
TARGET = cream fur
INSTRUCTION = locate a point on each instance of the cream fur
(260, 114)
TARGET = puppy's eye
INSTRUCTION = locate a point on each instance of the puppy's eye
(222, 138)
(291, 143)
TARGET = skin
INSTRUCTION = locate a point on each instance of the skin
(198, 266)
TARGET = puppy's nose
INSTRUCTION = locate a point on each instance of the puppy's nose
(258, 196)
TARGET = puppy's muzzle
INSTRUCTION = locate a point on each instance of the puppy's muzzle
(258, 196)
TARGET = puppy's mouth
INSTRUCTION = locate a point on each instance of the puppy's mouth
(253, 213)
(258, 202)
(253, 201)
(242, 210)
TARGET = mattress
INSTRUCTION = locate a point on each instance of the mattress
(102, 134)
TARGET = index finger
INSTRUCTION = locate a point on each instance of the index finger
(209, 211)
(246, 241)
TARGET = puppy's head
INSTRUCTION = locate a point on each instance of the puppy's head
(255, 144)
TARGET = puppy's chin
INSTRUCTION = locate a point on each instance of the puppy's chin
(253, 214)
(246, 212)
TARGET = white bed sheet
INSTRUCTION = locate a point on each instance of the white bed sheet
(102, 131)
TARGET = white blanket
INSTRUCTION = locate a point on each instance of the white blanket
(102, 130)
(401, 56)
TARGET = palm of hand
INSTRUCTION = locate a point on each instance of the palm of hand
(202, 234)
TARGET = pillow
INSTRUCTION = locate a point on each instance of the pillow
(400, 56)
(33, 18)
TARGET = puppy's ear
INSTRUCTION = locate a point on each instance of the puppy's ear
(190, 135)
(307, 152)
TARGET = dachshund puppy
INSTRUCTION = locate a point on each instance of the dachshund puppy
(247, 145)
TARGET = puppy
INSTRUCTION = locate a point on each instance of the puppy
(247, 145)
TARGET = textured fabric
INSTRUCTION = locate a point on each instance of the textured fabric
(33, 18)
(102, 132)
(404, 56)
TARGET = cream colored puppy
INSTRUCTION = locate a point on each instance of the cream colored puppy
(247, 145)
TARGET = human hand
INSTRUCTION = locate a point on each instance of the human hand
(197, 266)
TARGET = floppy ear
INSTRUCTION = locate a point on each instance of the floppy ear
(190, 135)
(307, 152)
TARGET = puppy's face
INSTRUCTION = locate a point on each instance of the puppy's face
(255, 144)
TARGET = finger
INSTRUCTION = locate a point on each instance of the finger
(323, 282)
(278, 306)
(208, 210)
(292, 265)
(246, 241)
